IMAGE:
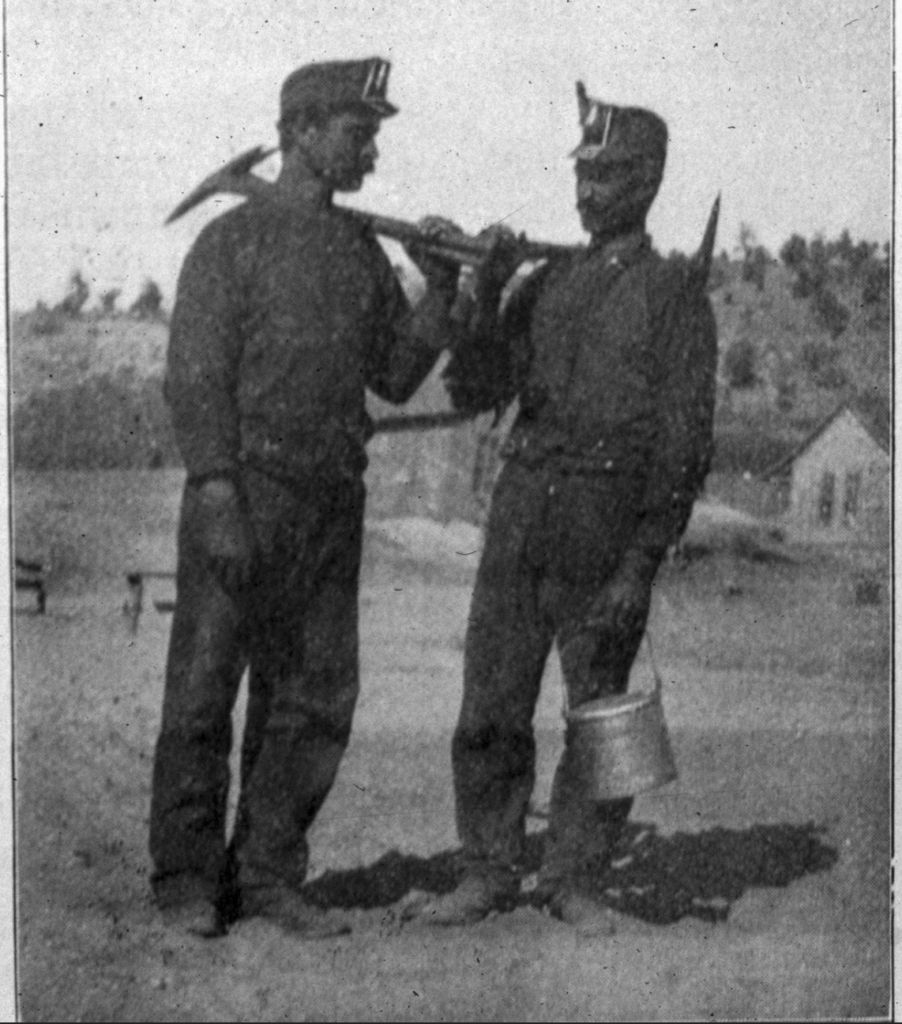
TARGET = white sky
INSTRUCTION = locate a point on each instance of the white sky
(116, 109)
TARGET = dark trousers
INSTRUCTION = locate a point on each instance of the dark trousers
(552, 543)
(296, 630)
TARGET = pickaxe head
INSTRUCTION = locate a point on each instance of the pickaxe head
(700, 265)
(233, 177)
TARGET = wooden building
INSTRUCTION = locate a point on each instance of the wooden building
(839, 479)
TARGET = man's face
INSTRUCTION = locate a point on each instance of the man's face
(343, 151)
(605, 189)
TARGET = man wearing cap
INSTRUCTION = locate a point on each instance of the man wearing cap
(287, 310)
(611, 354)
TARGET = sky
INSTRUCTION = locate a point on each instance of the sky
(115, 110)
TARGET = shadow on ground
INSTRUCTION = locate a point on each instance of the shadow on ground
(659, 879)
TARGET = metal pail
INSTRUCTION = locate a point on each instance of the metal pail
(620, 744)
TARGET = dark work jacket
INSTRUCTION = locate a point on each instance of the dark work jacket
(612, 356)
(282, 319)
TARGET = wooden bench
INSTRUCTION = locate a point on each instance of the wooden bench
(134, 603)
(30, 576)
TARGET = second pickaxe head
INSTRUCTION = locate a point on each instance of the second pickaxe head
(700, 264)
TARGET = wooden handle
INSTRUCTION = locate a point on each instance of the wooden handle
(236, 178)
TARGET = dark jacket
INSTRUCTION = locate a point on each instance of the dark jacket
(282, 319)
(612, 355)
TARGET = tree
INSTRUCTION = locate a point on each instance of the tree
(754, 266)
(787, 393)
(754, 257)
(832, 377)
(809, 263)
(818, 265)
(875, 293)
(861, 256)
(830, 312)
(817, 355)
(739, 364)
(794, 253)
(46, 321)
(719, 274)
(876, 283)
(822, 361)
(747, 238)
(841, 254)
(108, 300)
(149, 303)
(76, 296)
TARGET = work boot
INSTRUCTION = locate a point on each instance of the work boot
(198, 917)
(584, 911)
(475, 898)
(288, 909)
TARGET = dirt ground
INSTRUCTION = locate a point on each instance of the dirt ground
(755, 887)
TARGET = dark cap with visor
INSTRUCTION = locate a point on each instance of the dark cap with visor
(339, 84)
(616, 133)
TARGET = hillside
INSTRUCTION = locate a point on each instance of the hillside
(43, 357)
(801, 373)
(86, 390)
(781, 326)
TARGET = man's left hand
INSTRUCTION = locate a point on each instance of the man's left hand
(441, 272)
(503, 259)
(622, 603)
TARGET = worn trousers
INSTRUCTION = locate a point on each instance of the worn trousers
(295, 630)
(552, 543)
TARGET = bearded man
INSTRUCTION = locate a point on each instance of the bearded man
(611, 354)
(287, 310)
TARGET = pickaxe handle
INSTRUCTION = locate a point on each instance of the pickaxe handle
(236, 177)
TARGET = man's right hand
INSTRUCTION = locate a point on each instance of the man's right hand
(225, 535)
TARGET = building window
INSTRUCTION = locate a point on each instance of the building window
(827, 498)
(852, 497)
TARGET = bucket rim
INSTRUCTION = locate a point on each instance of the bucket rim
(609, 707)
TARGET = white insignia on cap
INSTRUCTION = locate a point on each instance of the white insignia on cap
(592, 116)
(607, 128)
(375, 80)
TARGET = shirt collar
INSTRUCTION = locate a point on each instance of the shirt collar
(624, 250)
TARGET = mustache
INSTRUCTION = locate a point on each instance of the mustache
(352, 171)
(361, 169)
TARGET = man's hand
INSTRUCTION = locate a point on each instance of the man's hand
(503, 260)
(225, 535)
(623, 602)
(441, 272)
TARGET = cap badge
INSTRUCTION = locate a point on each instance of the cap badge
(591, 119)
(376, 80)
(607, 128)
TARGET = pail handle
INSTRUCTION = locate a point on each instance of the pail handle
(654, 668)
(659, 683)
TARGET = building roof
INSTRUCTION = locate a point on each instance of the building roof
(872, 413)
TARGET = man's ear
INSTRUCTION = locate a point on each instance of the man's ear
(308, 134)
(302, 138)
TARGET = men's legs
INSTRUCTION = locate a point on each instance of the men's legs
(583, 832)
(493, 749)
(306, 685)
(191, 766)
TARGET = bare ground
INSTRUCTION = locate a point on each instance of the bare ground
(755, 887)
